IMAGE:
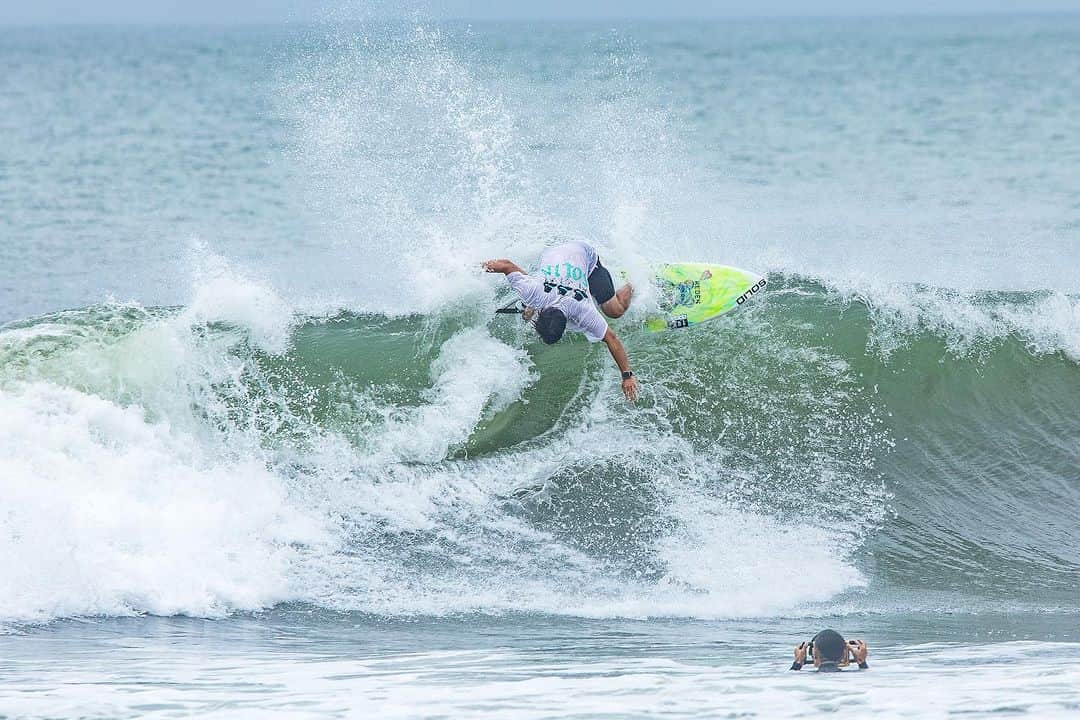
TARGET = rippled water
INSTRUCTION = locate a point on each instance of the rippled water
(265, 449)
(305, 665)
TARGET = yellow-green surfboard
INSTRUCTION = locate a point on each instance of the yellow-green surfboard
(692, 293)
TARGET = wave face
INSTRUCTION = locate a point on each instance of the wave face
(219, 457)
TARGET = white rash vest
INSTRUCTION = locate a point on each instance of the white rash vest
(564, 267)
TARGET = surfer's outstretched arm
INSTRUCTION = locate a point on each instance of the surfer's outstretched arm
(503, 266)
(618, 352)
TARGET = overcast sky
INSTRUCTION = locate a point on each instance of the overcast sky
(262, 11)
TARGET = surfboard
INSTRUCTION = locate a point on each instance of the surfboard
(692, 293)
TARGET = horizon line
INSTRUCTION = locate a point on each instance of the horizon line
(539, 19)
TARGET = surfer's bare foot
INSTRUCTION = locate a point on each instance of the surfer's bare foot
(616, 306)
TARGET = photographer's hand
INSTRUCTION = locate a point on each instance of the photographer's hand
(858, 652)
(800, 656)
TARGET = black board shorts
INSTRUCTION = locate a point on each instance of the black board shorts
(601, 286)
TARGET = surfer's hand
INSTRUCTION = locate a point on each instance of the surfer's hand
(629, 388)
(858, 650)
(503, 266)
(800, 653)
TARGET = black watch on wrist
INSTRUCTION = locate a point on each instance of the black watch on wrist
(628, 374)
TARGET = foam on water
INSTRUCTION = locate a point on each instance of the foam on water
(458, 398)
(516, 669)
(1047, 322)
(221, 294)
(125, 496)
(109, 513)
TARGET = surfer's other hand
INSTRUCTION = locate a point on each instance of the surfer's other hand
(629, 388)
(502, 265)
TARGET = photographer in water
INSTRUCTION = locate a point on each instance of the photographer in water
(830, 653)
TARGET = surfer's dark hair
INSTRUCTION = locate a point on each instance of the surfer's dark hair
(551, 324)
(829, 647)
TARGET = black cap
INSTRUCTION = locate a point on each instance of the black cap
(829, 648)
(551, 324)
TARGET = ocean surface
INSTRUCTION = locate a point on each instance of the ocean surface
(266, 451)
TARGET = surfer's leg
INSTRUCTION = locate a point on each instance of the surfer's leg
(602, 289)
(619, 303)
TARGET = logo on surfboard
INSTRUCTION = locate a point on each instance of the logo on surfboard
(746, 295)
(692, 293)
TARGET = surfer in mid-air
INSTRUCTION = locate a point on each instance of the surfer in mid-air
(561, 295)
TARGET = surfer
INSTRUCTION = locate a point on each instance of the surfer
(830, 653)
(562, 294)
